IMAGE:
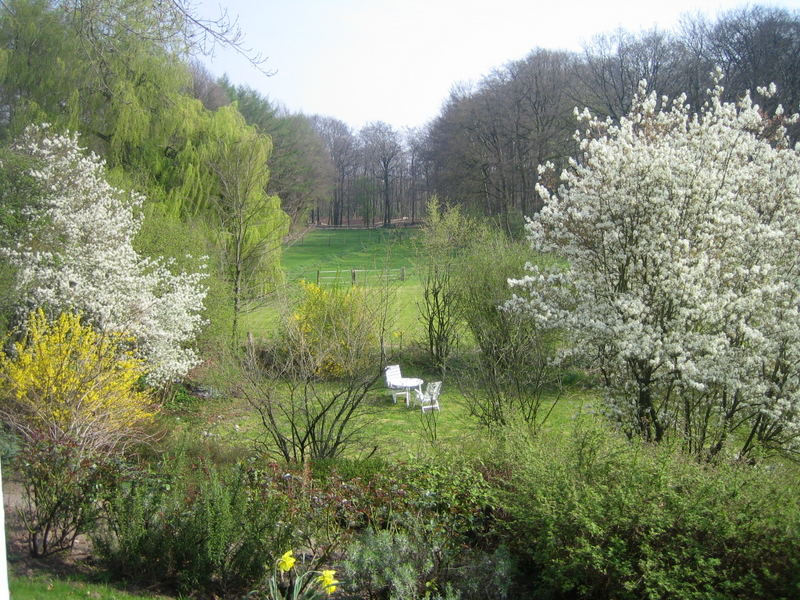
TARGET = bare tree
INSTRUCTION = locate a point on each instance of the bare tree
(205, 87)
(342, 149)
(311, 386)
(382, 147)
(614, 65)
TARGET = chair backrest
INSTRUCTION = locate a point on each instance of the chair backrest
(392, 374)
(433, 389)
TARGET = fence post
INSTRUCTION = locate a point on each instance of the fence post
(317, 276)
(353, 277)
(402, 273)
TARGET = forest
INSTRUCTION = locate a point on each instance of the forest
(591, 259)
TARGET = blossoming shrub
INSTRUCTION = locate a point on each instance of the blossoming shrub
(65, 381)
(682, 239)
(596, 516)
(72, 394)
(333, 330)
(80, 258)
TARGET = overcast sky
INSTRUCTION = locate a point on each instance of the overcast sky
(396, 60)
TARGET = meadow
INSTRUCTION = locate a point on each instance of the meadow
(433, 505)
(397, 430)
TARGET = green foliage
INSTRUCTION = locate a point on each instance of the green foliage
(388, 564)
(115, 73)
(301, 173)
(438, 528)
(63, 488)
(183, 244)
(17, 190)
(249, 224)
(513, 376)
(194, 527)
(595, 516)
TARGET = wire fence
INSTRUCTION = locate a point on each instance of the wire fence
(353, 276)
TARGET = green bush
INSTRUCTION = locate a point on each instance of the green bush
(436, 539)
(193, 528)
(184, 245)
(388, 564)
(64, 486)
(596, 516)
(512, 377)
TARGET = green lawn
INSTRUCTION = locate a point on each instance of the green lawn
(39, 587)
(335, 253)
(346, 249)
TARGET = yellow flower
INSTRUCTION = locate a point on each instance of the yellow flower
(327, 580)
(286, 562)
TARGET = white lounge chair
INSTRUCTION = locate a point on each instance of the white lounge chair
(399, 385)
(429, 399)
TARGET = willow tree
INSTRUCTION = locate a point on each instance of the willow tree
(249, 222)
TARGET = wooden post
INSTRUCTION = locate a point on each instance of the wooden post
(4, 595)
(402, 273)
(317, 276)
(353, 276)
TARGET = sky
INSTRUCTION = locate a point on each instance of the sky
(397, 60)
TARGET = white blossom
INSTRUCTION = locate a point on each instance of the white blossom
(81, 258)
(682, 236)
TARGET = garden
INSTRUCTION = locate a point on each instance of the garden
(619, 415)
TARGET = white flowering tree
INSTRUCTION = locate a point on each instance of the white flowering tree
(681, 233)
(79, 257)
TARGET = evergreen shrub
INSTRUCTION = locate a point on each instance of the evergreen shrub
(597, 516)
(194, 529)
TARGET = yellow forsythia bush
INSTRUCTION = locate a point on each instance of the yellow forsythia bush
(337, 328)
(64, 380)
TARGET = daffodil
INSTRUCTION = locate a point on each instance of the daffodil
(286, 562)
(327, 581)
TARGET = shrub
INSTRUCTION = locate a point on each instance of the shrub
(334, 334)
(444, 237)
(205, 530)
(594, 516)
(334, 330)
(80, 257)
(64, 486)
(64, 381)
(513, 377)
(439, 528)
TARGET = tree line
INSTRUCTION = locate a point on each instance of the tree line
(485, 147)
(222, 163)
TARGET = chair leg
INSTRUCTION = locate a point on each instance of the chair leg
(399, 393)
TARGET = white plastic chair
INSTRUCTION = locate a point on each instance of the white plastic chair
(399, 385)
(429, 399)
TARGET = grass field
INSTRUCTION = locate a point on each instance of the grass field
(336, 253)
(345, 249)
(38, 587)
